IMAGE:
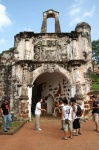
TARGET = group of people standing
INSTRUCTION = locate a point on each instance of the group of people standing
(70, 118)
(68, 114)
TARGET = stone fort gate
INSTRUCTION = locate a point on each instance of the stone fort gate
(47, 65)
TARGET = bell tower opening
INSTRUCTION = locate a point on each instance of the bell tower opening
(50, 14)
(50, 25)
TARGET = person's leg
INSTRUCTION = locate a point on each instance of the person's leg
(96, 121)
(71, 129)
(65, 132)
(9, 120)
(75, 126)
(65, 126)
(37, 122)
(79, 127)
(62, 124)
(4, 120)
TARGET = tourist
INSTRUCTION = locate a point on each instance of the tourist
(76, 122)
(95, 112)
(38, 110)
(61, 104)
(6, 117)
(98, 97)
(67, 113)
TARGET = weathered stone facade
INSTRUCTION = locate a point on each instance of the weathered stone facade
(48, 65)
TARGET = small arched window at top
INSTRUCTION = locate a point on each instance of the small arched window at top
(50, 25)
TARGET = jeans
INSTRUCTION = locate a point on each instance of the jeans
(6, 122)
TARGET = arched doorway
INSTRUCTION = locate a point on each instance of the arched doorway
(50, 87)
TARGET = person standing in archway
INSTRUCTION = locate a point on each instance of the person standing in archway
(38, 110)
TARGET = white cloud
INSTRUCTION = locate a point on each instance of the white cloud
(79, 1)
(75, 21)
(2, 41)
(27, 29)
(74, 11)
(4, 18)
(89, 13)
(78, 13)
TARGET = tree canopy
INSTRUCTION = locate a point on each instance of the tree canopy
(95, 50)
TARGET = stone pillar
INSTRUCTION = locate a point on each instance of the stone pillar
(74, 49)
(29, 100)
(23, 106)
(44, 24)
(57, 25)
(73, 90)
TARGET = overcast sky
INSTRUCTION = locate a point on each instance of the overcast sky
(26, 15)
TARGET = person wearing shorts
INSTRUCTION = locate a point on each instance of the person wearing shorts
(95, 112)
(76, 122)
(67, 113)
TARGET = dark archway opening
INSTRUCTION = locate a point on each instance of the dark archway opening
(50, 87)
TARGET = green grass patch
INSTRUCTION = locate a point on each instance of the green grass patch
(15, 126)
(95, 82)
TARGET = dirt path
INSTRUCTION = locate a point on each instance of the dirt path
(50, 138)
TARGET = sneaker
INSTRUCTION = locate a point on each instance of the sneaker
(39, 129)
(5, 131)
(8, 128)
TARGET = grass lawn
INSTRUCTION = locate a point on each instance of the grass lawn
(15, 126)
(95, 82)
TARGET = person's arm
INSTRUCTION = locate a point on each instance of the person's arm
(63, 113)
(72, 115)
(97, 107)
(1, 111)
(42, 109)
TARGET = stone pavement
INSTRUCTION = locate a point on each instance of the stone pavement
(50, 137)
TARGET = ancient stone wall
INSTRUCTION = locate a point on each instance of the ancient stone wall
(35, 54)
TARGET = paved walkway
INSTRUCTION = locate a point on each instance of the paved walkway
(50, 138)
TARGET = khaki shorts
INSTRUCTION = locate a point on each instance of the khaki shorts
(95, 117)
(69, 126)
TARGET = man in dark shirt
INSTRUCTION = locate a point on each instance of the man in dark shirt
(95, 111)
(5, 115)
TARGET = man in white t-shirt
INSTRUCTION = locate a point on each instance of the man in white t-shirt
(38, 110)
(67, 113)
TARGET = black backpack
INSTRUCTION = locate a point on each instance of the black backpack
(79, 111)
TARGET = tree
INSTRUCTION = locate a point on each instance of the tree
(95, 51)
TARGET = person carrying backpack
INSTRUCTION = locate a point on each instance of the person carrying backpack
(77, 113)
(67, 113)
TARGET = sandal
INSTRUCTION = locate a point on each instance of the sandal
(63, 138)
(75, 134)
(70, 137)
(80, 133)
(97, 131)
